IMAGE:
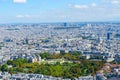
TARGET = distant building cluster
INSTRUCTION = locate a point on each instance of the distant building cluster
(23, 76)
(29, 57)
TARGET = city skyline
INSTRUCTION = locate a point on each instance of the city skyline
(35, 11)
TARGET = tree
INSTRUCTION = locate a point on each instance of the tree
(56, 70)
(11, 71)
(44, 55)
(0, 67)
(19, 62)
(75, 71)
(10, 62)
(4, 67)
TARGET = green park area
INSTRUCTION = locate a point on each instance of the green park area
(64, 65)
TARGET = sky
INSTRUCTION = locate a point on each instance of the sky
(36, 11)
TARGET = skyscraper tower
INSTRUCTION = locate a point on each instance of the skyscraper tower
(65, 24)
(98, 37)
(108, 36)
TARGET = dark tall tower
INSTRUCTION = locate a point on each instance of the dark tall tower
(26, 41)
(108, 36)
(65, 24)
(98, 37)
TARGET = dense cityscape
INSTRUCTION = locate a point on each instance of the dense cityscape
(59, 39)
(95, 41)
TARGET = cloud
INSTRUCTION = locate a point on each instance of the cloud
(112, 1)
(19, 1)
(78, 6)
(81, 6)
(115, 2)
(20, 16)
(93, 4)
(23, 16)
